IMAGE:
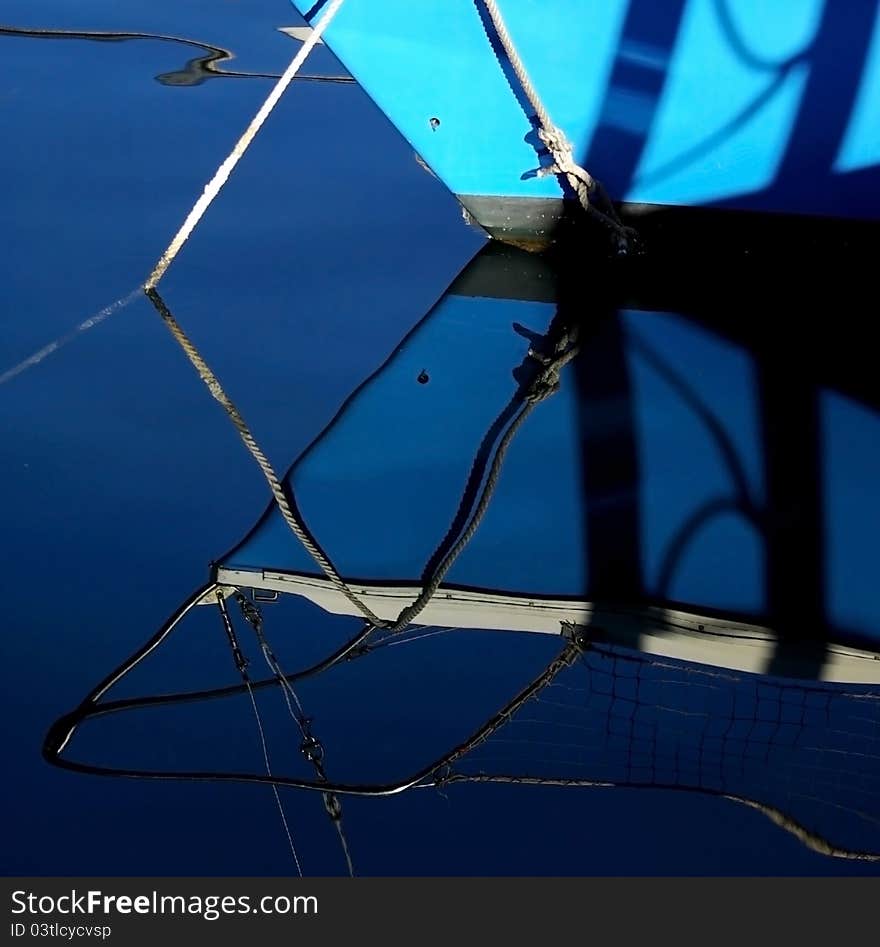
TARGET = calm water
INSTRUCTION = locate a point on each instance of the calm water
(123, 480)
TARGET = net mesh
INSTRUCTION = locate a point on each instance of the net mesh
(806, 754)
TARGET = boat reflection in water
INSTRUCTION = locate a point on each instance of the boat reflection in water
(675, 489)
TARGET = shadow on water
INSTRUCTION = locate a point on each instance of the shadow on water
(194, 72)
(791, 294)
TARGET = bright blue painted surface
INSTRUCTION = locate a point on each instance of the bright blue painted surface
(761, 106)
(707, 86)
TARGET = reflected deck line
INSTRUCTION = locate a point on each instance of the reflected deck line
(670, 633)
(699, 486)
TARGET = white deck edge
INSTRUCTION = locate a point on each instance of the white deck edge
(670, 633)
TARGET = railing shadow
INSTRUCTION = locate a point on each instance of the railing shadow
(803, 332)
(834, 60)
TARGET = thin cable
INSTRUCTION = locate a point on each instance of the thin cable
(221, 175)
(68, 337)
(311, 747)
(241, 664)
(430, 632)
(277, 795)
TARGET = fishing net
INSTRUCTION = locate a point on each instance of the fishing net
(805, 754)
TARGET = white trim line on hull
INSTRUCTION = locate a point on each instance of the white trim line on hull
(671, 633)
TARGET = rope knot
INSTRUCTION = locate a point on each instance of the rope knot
(557, 144)
(332, 806)
(250, 611)
(546, 382)
(544, 386)
(312, 749)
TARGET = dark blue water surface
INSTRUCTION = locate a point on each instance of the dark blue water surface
(123, 480)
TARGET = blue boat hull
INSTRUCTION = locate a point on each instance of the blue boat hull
(709, 103)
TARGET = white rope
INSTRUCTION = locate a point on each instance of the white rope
(212, 188)
(290, 516)
(195, 215)
(551, 135)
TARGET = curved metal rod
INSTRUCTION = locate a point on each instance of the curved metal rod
(53, 746)
(812, 840)
(428, 775)
(62, 730)
(230, 690)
